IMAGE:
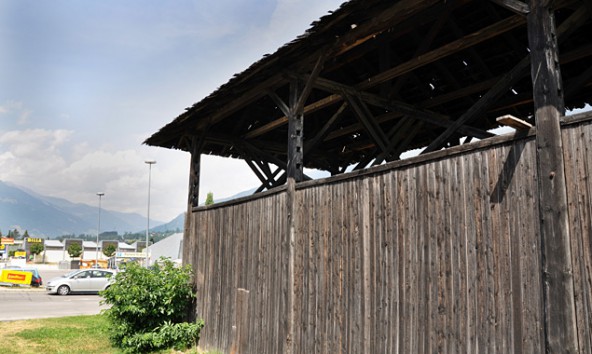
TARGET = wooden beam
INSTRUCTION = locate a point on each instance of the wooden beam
(500, 88)
(279, 102)
(417, 62)
(197, 145)
(367, 119)
(299, 106)
(295, 151)
(403, 108)
(511, 121)
(444, 51)
(320, 104)
(321, 134)
(505, 83)
(240, 101)
(559, 317)
(370, 29)
(515, 6)
(264, 181)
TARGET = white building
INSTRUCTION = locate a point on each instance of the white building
(170, 247)
(54, 251)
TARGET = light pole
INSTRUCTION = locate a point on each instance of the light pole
(100, 194)
(150, 163)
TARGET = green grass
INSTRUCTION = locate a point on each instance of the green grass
(64, 335)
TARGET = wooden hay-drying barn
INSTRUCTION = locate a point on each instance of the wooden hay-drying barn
(481, 243)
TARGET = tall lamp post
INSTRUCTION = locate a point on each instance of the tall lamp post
(150, 163)
(100, 194)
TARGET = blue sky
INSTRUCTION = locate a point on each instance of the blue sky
(83, 83)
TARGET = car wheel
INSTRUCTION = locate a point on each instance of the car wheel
(63, 290)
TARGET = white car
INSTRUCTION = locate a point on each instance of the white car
(81, 281)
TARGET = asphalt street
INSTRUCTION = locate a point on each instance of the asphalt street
(20, 303)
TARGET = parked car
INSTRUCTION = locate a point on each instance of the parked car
(36, 280)
(81, 281)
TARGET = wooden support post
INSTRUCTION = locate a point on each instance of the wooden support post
(289, 244)
(558, 305)
(195, 146)
(240, 330)
(295, 137)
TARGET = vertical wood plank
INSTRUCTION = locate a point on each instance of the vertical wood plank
(560, 322)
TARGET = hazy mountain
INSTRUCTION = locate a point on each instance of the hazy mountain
(177, 224)
(51, 217)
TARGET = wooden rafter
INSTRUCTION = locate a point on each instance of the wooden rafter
(415, 63)
(403, 108)
(505, 83)
(367, 120)
(515, 6)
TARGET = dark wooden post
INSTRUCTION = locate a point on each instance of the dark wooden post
(194, 171)
(295, 134)
(240, 330)
(559, 308)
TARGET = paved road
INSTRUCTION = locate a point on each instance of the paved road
(28, 303)
(20, 304)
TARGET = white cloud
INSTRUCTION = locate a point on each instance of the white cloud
(225, 177)
(16, 111)
(40, 160)
(96, 88)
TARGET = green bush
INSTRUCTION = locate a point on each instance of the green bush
(149, 308)
(74, 250)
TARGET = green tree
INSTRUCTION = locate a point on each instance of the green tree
(210, 198)
(149, 307)
(74, 250)
(109, 250)
(26, 234)
(36, 248)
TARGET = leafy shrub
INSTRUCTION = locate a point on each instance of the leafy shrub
(149, 308)
(74, 250)
(109, 250)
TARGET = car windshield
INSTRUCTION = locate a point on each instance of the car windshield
(68, 275)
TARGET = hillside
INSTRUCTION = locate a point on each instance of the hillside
(52, 217)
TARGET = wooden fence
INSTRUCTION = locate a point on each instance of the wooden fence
(438, 253)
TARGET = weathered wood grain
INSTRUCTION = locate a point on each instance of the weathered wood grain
(443, 255)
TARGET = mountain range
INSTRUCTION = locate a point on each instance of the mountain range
(44, 216)
(50, 217)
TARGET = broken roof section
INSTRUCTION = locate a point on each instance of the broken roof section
(394, 76)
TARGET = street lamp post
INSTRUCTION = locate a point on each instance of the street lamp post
(100, 194)
(150, 163)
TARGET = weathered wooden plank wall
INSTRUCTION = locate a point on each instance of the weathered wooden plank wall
(240, 247)
(438, 257)
(435, 254)
(577, 142)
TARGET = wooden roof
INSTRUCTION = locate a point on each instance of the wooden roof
(395, 76)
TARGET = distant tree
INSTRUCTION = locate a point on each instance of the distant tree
(36, 248)
(26, 234)
(0, 233)
(109, 250)
(16, 234)
(210, 198)
(74, 250)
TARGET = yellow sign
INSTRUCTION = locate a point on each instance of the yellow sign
(34, 240)
(16, 277)
(20, 254)
(2, 247)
